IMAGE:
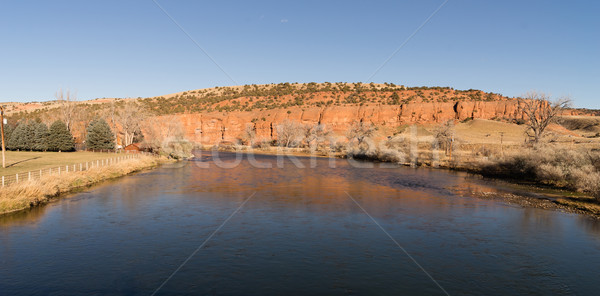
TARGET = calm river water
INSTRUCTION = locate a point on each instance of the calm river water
(316, 230)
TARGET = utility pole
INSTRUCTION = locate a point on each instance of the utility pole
(3, 146)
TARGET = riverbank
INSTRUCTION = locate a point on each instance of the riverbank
(538, 197)
(32, 193)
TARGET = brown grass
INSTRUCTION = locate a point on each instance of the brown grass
(23, 161)
(554, 165)
(31, 193)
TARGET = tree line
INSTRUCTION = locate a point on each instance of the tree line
(37, 136)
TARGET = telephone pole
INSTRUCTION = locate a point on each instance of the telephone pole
(2, 128)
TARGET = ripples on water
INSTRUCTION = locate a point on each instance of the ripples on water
(300, 234)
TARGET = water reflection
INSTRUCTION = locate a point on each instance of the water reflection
(300, 234)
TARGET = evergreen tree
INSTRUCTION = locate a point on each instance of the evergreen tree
(40, 137)
(59, 137)
(18, 138)
(8, 129)
(29, 136)
(99, 135)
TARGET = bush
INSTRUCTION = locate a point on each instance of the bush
(385, 152)
(177, 149)
(575, 170)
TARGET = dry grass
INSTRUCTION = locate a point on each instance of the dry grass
(554, 165)
(481, 131)
(31, 193)
(23, 161)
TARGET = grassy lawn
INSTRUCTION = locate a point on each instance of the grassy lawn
(22, 161)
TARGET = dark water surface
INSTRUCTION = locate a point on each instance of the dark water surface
(300, 234)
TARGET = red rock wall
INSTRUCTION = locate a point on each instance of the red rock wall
(211, 128)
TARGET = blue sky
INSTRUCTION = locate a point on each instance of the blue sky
(131, 48)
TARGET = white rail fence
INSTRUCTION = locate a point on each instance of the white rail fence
(66, 169)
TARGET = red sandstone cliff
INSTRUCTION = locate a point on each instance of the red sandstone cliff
(213, 127)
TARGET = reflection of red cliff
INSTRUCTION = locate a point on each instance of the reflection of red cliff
(210, 128)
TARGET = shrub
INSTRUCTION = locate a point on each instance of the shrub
(572, 169)
(177, 149)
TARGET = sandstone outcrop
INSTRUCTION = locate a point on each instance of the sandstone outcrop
(214, 127)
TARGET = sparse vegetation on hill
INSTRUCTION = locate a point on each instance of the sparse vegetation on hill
(266, 97)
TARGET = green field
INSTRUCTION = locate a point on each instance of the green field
(23, 161)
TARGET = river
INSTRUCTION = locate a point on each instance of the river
(268, 225)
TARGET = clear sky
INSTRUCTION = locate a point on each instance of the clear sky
(132, 48)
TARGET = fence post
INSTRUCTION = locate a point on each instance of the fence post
(29, 176)
(81, 167)
(59, 171)
(86, 165)
(67, 168)
(17, 177)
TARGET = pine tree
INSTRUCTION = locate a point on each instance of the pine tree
(59, 137)
(40, 137)
(29, 136)
(8, 129)
(99, 135)
(18, 138)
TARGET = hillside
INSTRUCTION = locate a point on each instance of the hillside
(208, 116)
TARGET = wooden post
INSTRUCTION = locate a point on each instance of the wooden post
(29, 177)
(17, 177)
(3, 146)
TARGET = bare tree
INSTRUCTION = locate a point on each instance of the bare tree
(540, 111)
(315, 134)
(249, 135)
(360, 132)
(161, 131)
(130, 118)
(289, 133)
(113, 113)
(444, 135)
(66, 101)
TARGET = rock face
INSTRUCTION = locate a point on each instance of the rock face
(214, 127)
